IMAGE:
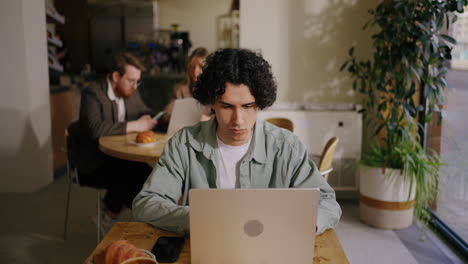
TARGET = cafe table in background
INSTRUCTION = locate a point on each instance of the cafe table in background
(125, 147)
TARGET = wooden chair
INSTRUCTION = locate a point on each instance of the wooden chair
(325, 164)
(72, 177)
(282, 122)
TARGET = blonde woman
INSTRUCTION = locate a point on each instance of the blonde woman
(184, 89)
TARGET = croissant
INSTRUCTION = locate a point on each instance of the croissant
(122, 252)
(146, 137)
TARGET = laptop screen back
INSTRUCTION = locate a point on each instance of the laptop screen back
(186, 112)
(242, 226)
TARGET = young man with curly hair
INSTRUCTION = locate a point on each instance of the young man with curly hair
(233, 149)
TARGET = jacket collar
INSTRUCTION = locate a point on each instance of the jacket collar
(205, 141)
(259, 151)
(110, 92)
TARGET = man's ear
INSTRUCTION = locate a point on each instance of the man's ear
(115, 76)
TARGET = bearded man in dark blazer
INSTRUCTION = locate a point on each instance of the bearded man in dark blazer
(112, 106)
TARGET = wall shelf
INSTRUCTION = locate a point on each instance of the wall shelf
(60, 95)
(55, 16)
(228, 30)
(56, 67)
(55, 41)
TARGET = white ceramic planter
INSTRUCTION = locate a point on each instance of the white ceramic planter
(383, 200)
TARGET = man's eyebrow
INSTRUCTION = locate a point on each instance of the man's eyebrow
(244, 105)
(224, 103)
(249, 104)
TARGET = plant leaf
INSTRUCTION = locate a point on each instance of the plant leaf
(344, 66)
(448, 39)
(423, 27)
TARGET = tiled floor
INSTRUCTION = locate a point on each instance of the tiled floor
(32, 226)
(365, 244)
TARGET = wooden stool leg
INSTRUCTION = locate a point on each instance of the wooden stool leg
(67, 208)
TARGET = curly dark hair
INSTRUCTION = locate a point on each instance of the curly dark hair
(237, 66)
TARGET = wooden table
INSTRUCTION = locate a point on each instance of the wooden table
(327, 246)
(123, 147)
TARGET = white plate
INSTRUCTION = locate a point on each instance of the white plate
(144, 251)
(145, 145)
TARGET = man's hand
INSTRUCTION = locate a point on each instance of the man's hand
(141, 124)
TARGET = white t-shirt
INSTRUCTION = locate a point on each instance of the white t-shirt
(119, 101)
(228, 163)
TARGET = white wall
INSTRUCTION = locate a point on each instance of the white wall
(306, 41)
(197, 17)
(324, 125)
(25, 142)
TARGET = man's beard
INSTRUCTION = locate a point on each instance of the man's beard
(122, 93)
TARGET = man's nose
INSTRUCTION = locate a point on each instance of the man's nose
(238, 117)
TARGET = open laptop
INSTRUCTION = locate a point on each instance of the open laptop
(186, 112)
(243, 226)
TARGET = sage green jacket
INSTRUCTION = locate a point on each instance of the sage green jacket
(278, 159)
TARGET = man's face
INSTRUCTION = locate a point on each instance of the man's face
(126, 84)
(236, 113)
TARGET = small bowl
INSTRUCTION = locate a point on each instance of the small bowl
(129, 261)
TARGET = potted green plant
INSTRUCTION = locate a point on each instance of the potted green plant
(402, 87)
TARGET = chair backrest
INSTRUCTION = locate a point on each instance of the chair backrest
(282, 122)
(325, 164)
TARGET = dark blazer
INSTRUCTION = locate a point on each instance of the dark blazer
(99, 117)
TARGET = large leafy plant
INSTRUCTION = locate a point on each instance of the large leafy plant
(403, 85)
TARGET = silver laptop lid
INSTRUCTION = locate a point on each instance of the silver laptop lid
(186, 112)
(242, 226)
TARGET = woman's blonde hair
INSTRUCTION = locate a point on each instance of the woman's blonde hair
(199, 52)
